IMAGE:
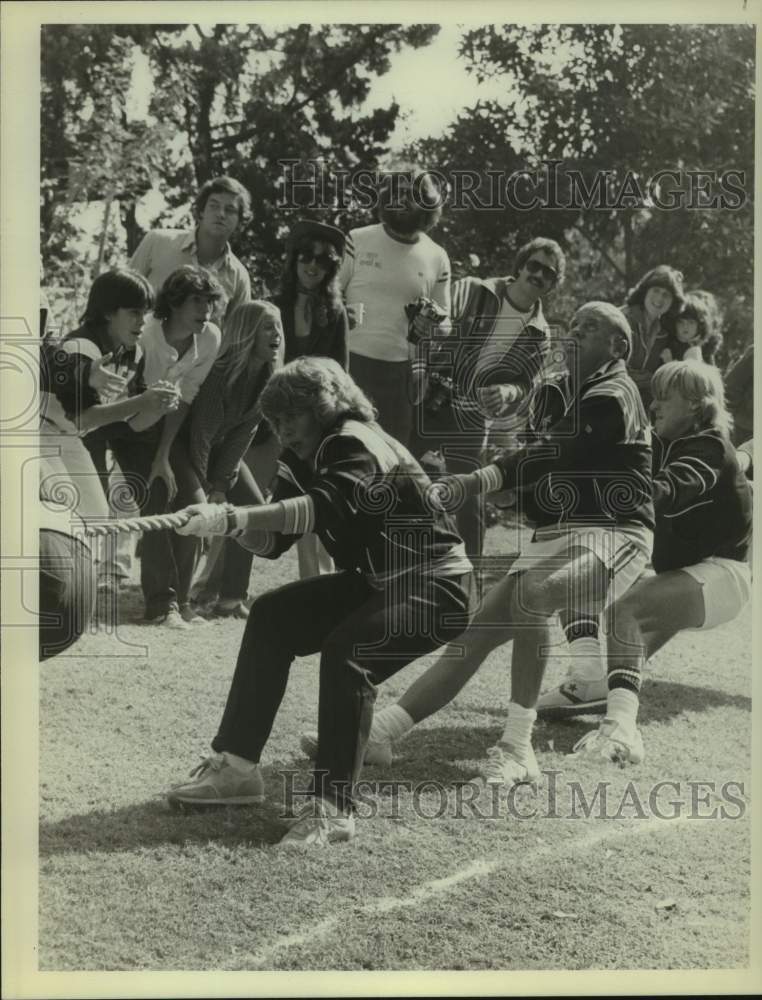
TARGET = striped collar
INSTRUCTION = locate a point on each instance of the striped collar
(499, 288)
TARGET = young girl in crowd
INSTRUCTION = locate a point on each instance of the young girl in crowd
(650, 308)
(401, 590)
(87, 380)
(223, 420)
(703, 511)
(314, 324)
(694, 332)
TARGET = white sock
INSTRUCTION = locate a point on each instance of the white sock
(239, 763)
(622, 707)
(518, 729)
(390, 724)
(586, 663)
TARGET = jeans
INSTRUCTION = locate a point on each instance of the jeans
(363, 637)
(167, 559)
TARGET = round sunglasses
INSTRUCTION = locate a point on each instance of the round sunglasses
(326, 261)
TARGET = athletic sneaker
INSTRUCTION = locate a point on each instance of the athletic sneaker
(612, 742)
(226, 608)
(574, 697)
(190, 614)
(376, 752)
(217, 783)
(320, 823)
(170, 617)
(502, 768)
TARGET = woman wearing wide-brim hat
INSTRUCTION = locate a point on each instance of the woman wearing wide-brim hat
(315, 324)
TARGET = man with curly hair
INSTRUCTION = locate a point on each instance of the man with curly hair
(401, 590)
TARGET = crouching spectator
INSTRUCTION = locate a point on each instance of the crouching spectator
(223, 421)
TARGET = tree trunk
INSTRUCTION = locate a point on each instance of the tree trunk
(133, 230)
(629, 263)
(104, 231)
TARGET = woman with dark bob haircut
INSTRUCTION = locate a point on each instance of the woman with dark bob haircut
(314, 324)
(694, 332)
(88, 381)
(401, 590)
(653, 302)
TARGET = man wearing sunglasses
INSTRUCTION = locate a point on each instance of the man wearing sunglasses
(492, 359)
(386, 267)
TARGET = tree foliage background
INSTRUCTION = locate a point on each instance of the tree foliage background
(629, 100)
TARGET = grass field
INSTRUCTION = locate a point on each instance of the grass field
(432, 881)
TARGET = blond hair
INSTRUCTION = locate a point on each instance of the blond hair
(319, 386)
(697, 383)
(237, 353)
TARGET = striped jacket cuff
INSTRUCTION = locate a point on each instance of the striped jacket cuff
(490, 479)
(260, 543)
(299, 515)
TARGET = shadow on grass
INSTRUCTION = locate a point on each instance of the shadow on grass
(448, 755)
(451, 754)
(660, 702)
(152, 823)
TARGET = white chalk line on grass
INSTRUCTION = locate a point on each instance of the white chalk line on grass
(479, 868)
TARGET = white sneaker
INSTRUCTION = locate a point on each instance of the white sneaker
(574, 697)
(320, 823)
(376, 752)
(170, 618)
(190, 615)
(502, 768)
(612, 742)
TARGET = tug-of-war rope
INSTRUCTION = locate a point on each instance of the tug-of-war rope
(151, 522)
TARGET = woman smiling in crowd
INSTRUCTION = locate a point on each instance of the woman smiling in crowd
(315, 324)
(654, 301)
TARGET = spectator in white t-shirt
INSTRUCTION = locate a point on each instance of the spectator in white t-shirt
(387, 266)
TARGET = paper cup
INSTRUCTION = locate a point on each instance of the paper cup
(358, 312)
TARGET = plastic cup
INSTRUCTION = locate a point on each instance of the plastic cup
(358, 313)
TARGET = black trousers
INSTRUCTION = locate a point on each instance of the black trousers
(363, 636)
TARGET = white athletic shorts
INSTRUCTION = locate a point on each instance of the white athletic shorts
(623, 552)
(726, 587)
